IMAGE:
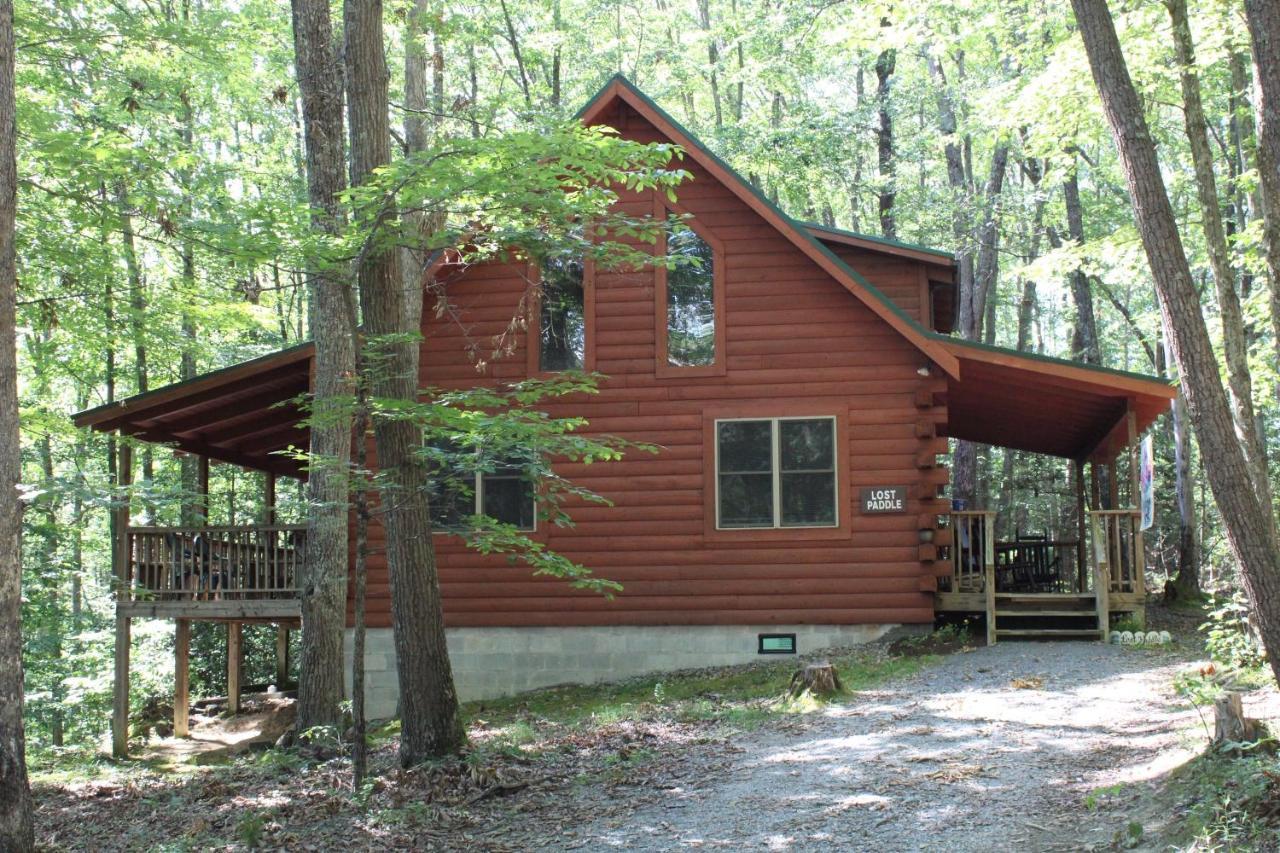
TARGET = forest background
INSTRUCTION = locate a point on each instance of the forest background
(164, 223)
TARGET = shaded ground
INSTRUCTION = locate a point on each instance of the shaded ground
(1018, 746)
(262, 720)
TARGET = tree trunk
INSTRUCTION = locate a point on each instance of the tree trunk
(430, 722)
(1235, 344)
(187, 258)
(359, 744)
(16, 831)
(886, 63)
(1186, 581)
(1084, 345)
(324, 588)
(964, 479)
(137, 325)
(1264, 33)
(1250, 527)
(987, 267)
(713, 59)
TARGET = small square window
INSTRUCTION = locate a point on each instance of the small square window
(776, 644)
(460, 490)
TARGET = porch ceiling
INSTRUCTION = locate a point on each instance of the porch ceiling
(241, 414)
(1050, 406)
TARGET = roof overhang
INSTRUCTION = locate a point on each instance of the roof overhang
(1048, 405)
(244, 414)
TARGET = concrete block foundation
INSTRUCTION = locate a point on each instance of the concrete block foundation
(492, 662)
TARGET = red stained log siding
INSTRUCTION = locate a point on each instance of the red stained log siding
(798, 343)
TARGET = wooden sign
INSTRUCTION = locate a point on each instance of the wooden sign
(884, 499)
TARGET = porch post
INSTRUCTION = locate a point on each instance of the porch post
(269, 500)
(282, 633)
(1135, 499)
(120, 557)
(181, 678)
(1082, 578)
(202, 487)
(234, 657)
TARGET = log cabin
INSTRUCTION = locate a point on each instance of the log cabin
(804, 389)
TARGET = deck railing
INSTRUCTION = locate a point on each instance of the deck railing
(1116, 540)
(1023, 564)
(972, 549)
(213, 563)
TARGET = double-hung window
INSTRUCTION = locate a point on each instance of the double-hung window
(461, 487)
(776, 473)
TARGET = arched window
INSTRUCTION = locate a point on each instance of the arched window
(691, 304)
(562, 320)
(690, 297)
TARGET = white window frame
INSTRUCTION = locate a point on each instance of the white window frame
(477, 492)
(775, 461)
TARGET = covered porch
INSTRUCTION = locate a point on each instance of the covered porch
(1068, 579)
(246, 415)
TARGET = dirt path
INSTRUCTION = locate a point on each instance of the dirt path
(960, 757)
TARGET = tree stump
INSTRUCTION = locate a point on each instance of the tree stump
(819, 678)
(1230, 726)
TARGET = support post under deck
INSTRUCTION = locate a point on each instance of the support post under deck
(234, 657)
(182, 678)
(120, 558)
(282, 657)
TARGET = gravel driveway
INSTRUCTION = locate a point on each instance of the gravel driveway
(992, 749)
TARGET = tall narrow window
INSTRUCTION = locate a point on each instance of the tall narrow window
(563, 318)
(691, 306)
(776, 472)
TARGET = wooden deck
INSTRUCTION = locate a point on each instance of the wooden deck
(221, 574)
(1070, 596)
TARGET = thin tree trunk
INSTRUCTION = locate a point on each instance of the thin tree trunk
(713, 59)
(964, 479)
(323, 590)
(16, 830)
(187, 366)
(417, 131)
(137, 324)
(1186, 581)
(1250, 527)
(1085, 338)
(515, 52)
(430, 722)
(359, 744)
(987, 268)
(1263, 17)
(1235, 345)
(886, 64)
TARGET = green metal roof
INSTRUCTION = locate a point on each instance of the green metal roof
(884, 241)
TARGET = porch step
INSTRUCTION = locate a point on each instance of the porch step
(1023, 614)
(1045, 596)
(1055, 633)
